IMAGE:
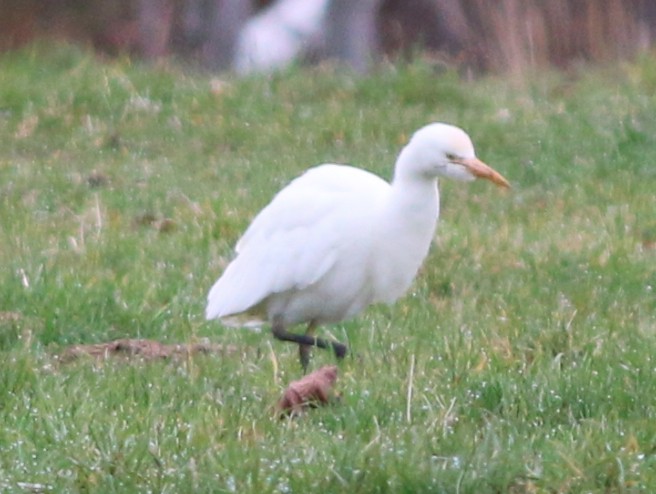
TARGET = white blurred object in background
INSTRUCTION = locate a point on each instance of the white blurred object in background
(277, 35)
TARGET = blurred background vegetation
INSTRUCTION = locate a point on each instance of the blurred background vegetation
(477, 35)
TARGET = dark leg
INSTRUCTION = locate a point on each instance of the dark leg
(305, 341)
(304, 351)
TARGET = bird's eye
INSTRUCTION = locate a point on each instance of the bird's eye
(451, 157)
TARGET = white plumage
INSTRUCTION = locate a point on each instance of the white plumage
(338, 239)
(273, 38)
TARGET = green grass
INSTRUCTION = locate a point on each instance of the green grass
(521, 361)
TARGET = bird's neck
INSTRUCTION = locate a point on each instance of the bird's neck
(408, 223)
(413, 194)
(414, 205)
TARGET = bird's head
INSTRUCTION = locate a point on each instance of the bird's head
(443, 150)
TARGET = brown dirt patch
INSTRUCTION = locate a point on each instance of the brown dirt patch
(143, 349)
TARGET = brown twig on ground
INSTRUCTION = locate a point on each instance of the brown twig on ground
(312, 390)
(144, 349)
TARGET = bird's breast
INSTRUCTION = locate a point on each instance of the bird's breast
(403, 245)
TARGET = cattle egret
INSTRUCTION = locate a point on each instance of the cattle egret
(339, 238)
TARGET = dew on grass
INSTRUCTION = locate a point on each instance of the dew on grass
(283, 486)
(448, 462)
(231, 484)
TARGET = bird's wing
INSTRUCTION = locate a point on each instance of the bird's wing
(294, 240)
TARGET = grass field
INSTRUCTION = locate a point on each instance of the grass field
(522, 361)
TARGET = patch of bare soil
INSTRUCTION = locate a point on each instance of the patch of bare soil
(143, 349)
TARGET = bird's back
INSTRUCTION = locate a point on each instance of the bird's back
(305, 233)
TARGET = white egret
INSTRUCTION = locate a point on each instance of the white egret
(339, 238)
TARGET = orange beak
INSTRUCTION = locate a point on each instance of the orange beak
(480, 170)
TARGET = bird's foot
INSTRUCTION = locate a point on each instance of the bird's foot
(340, 349)
(305, 352)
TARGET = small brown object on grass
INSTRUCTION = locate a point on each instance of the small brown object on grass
(145, 349)
(312, 390)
